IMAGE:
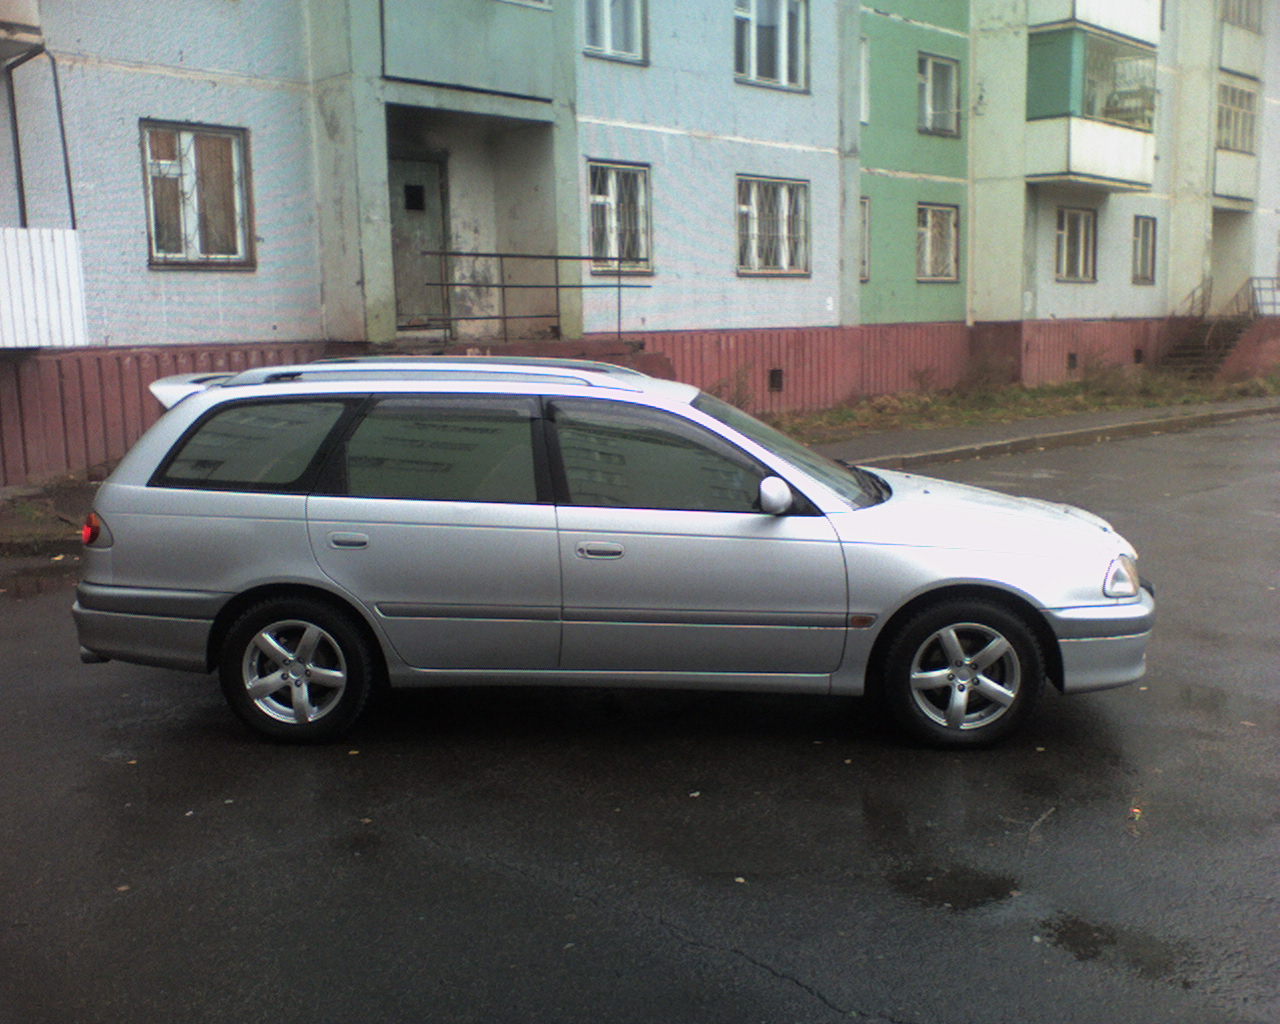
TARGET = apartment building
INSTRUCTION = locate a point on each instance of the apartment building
(792, 201)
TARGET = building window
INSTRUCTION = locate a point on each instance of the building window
(939, 94)
(615, 28)
(1237, 117)
(773, 226)
(1243, 13)
(864, 239)
(1144, 250)
(1075, 259)
(769, 44)
(937, 242)
(619, 217)
(197, 194)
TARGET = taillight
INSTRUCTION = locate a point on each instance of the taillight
(92, 528)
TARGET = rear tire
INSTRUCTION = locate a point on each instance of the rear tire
(296, 669)
(962, 674)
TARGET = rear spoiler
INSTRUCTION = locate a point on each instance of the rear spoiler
(172, 390)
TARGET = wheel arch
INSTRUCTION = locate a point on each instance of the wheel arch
(233, 609)
(1010, 602)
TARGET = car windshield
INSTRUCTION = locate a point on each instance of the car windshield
(858, 488)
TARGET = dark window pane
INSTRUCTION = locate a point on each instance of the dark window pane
(620, 457)
(215, 192)
(261, 445)
(453, 450)
(166, 215)
(164, 144)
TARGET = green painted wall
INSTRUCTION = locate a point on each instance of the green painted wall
(892, 294)
(902, 166)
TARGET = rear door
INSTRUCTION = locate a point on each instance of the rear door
(435, 514)
(668, 564)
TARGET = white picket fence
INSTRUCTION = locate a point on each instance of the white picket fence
(41, 289)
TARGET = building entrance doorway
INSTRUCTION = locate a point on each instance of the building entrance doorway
(418, 227)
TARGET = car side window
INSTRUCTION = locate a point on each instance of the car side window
(442, 448)
(626, 456)
(252, 446)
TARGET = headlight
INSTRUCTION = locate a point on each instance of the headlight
(1122, 578)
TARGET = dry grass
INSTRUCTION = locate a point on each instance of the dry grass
(1099, 390)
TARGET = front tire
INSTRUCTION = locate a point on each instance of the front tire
(963, 673)
(296, 669)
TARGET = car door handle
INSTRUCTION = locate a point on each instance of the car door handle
(349, 540)
(599, 549)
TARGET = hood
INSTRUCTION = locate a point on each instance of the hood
(926, 512)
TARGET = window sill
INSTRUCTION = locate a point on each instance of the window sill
(616, 58)
(938, 280)
(1075, 280)
(240, 265)
(1144, 282)
(764, 83)
(622, 272)
(746, 272)
(941, 133)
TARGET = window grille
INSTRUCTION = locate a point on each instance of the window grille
(773, 226)
(197, 194)
(937, 242)
(619, 217)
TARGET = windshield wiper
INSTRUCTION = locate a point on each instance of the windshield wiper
(874, 485)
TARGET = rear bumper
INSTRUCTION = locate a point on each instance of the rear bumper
(144, 627)
(1103, 646)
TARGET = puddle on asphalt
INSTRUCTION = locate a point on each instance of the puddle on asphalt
(956, 888)
(1146, 955)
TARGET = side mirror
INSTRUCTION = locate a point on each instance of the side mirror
(775, 496)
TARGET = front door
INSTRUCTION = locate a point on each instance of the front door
(669, 567)
(418, 227)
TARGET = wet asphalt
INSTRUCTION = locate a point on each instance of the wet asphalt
(568, 855)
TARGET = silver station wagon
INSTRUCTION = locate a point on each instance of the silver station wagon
(312, 532)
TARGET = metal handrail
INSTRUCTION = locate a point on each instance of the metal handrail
(502, 286)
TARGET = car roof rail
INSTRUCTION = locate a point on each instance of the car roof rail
(529, 369)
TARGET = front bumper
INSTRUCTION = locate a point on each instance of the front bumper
(1103, 646)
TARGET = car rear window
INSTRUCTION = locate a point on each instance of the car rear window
(252, 446)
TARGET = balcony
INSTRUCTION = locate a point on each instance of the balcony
(1090, 109)
(40, 278)
(1082, 151)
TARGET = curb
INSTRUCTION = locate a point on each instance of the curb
(1065, 438)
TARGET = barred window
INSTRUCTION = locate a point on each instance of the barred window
(1237, 117)
(616, 28)
(1076, 256)
(196, 181)
(1244, 13)
(769, 43)
(937, 242)
(773, 226)
(1144, 250)
(938, 81)
(619, 217)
